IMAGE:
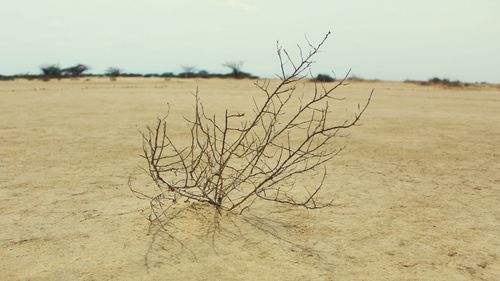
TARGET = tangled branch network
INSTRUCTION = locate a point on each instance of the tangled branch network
(235, 160)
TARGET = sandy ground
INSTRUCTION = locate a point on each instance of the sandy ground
(416, 191)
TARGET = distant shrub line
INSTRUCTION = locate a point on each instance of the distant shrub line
(79, 70)
(199, 74)
(55, 72)
(443, 82)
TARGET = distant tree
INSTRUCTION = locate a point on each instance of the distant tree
(188, 68)
(167, 74)
(236, 71)
(203, 74)
(51, 71)
(235, 68)
(324, 78)
(188, 71)
(113, 71)
(75, 71)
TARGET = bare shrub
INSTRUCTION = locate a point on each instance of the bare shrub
(236, 160)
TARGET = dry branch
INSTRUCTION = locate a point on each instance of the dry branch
(233, 161)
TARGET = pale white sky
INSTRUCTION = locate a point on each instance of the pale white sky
(386, 39)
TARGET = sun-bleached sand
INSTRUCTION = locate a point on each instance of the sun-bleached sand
(416, 191)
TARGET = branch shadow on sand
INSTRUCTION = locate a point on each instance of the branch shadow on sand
(194, 232)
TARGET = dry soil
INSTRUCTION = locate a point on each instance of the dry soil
(416, 191)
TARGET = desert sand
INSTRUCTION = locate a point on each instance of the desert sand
(416, 191)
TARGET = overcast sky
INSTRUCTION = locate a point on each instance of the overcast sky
(385, 39)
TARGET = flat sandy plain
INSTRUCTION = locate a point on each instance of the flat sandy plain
(416, 191)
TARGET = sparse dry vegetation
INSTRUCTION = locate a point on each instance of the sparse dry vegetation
(444, 82)
(235, 160)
